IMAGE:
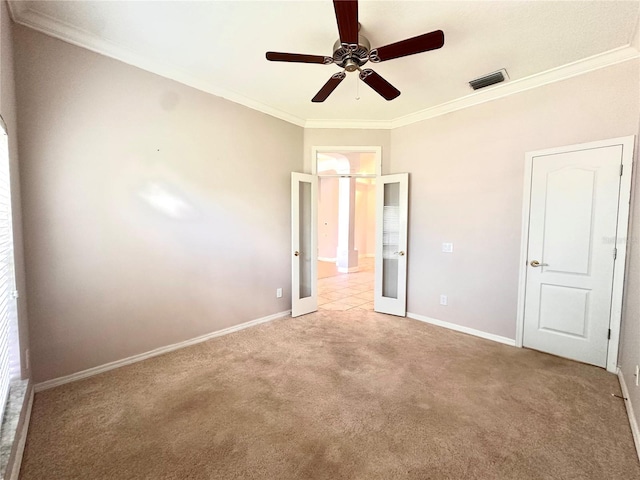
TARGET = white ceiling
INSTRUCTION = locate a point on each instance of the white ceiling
(219, 47)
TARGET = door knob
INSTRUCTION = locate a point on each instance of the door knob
(536, 263)
(401, 253)
(296, 253)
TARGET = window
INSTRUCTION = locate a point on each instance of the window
(9, 359)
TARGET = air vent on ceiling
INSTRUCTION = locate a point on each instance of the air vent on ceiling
(490, 79)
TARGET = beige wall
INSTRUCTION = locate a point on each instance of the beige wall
(153, 212)
(110, 275)
(9, 114)
(466, 172)
(630, 334)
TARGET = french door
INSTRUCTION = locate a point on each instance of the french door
(304, 244)
(390, 289)
(392, 199)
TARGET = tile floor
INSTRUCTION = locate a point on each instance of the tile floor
(347, 291)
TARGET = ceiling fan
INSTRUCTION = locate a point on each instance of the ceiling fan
(352, 50)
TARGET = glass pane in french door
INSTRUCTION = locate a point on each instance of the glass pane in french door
(304, 257)
(390, 239)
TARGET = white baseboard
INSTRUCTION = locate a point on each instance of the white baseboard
(460, 328)
(633, 422)
(22, 438)
(90, 372)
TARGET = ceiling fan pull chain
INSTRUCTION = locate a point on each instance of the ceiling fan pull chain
(357, 88)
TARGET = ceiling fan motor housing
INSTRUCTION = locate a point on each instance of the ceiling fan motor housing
(351, 59)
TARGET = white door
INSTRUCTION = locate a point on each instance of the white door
(571, 252)
(304, 248)
(392, 199)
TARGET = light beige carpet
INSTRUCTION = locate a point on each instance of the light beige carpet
(336, 395)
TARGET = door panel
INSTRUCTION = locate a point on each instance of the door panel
(304, 206)
(392, 197)
(573, 220)
(570, 213)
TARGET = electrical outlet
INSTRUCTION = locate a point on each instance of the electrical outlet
(278, 293)
(444, 300)
(637, 375)
(447, 247)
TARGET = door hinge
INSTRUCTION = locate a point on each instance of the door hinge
(14, 294)
(621, 169)
(609, 335)
(615, 253)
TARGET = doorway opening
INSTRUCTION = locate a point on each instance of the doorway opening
(346, 229)
(353, 166)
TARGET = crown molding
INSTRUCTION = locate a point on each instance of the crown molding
(22, 14)
(586, 65)
(501, 90)
(635, 38)
(16, 9)
(356, 124)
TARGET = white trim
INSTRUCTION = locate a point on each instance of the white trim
(635, 36)
(633, 422)
(460, 328)
(624, 198)
(90, 372)
(350, 124)
(68, 33)
(22, 14)
(505, 89)
(17, 9)
(347, 148)
(524, 247)
(501, 90)
(22, 439)
(624, 205)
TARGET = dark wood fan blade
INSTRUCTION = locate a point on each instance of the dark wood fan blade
(411, 46)
(329, 87)
(298, 58)
(379, 84)
(347, 17)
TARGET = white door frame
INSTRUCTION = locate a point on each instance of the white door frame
(624, 198)
(377, 150)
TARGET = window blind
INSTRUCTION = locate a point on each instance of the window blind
(8, 316)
